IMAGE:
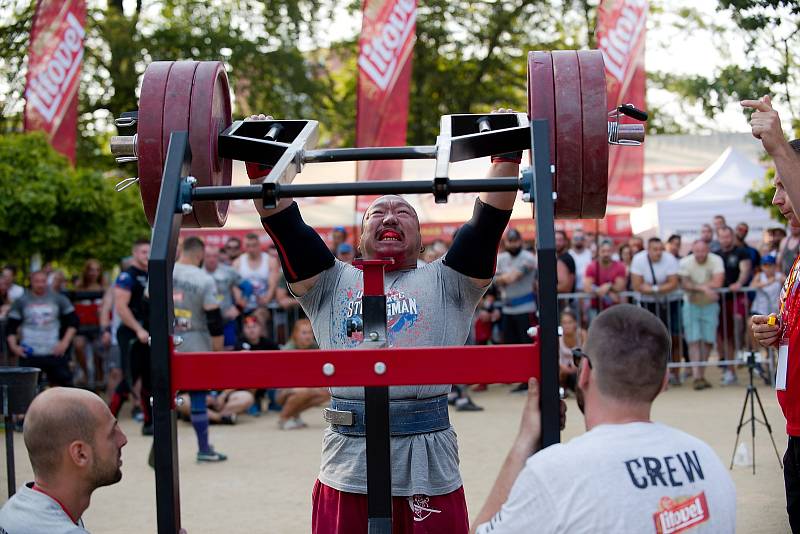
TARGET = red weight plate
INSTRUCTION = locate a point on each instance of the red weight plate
(210, 114)
(151, 158)
(595, 134)
(541, 99)
(569, 133)
(177, 103)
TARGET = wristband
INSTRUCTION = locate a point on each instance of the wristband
(508, 157)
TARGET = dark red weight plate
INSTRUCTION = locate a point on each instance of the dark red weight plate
(149, 128)
(595, 134)
(210, 114)
(569, 133)
(541, 99)
(177, 103)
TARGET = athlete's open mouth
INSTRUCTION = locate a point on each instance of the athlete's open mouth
(389, 235)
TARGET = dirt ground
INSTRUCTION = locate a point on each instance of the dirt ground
(265, 486)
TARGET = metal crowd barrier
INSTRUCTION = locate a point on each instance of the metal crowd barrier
(732, 322)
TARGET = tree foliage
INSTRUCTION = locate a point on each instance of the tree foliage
(64, 214)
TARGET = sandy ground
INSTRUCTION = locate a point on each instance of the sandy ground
(265, 486)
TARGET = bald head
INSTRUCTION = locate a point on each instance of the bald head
(390, 229)
(56, 418)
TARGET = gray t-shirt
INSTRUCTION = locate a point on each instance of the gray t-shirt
(41, 320)
(32, 512)
(430, 306)
(193, 290)
(518, 297)
(226, 277)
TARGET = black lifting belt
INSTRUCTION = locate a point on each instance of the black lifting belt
(302, 251)
(474, 250)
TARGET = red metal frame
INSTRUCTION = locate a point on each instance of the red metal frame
(194, 371)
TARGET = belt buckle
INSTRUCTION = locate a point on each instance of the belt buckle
(338, 417)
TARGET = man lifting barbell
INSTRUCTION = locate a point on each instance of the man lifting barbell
(428, 306)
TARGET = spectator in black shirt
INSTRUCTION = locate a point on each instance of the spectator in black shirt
(738, 267)
(741, 232)
(565, 266)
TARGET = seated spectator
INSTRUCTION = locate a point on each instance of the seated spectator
(571, 337)
(253, 339)
(223, 406)
(75, 446)
(294, 401)
(626, 473)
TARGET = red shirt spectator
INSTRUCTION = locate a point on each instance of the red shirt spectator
(605, 278)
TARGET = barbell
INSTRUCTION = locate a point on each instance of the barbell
(566, 87)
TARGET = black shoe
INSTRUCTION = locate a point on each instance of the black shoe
(467, 406)
(147, 430)
(228, 419)
(519, 388)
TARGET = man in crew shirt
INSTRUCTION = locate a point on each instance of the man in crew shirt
(75, 446)
(428, 306)
(626, 474)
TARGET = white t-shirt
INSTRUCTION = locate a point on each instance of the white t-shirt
(632, 478)
(32, 512)
(663, 268)
(582, 260)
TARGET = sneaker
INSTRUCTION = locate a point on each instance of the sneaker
(211, 456)
(706, 383)
(674, 380)
(466, 405)
(147, 430)
(697, 384)
(729, 378)
(228, 419)
(293, 423)
(254, 410)
(522, 387)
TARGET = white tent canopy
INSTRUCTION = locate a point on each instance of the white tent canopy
(719, 190)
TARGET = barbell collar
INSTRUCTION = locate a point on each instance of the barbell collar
(124, 146)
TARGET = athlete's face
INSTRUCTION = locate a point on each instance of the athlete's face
(391, 230)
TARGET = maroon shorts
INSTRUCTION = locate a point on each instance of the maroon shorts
(337, 512)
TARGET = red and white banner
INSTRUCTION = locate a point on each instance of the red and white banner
(384, 71)
(621, 38)
(54, 67)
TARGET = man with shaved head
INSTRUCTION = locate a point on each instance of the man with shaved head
(432, 305)
(75, 446)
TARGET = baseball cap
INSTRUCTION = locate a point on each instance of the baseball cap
(768, 260)
(513, 235)
(339, 229)
(344, 248)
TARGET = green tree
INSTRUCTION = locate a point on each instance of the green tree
(761, 196)
(49, 208)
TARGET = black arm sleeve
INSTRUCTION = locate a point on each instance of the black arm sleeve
(302, 251)
(214, 321)
(474, 250)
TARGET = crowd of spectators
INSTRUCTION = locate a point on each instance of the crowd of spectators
(704, 292)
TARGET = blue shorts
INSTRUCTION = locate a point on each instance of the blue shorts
(700, 322)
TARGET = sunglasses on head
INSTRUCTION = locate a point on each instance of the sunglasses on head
(577, 355)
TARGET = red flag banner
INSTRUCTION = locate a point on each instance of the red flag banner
(384, 71)
(621, 38)
(54, 65)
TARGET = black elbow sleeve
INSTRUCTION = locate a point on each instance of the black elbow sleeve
(214, 321)
(302, 251)
(474, 250)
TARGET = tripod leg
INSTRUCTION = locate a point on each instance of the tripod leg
(750, 390)
(738, 430)
(769, 429)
